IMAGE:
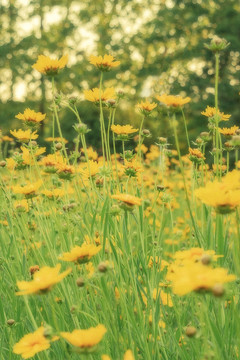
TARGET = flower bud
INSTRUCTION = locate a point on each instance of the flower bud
(162, 140)
(102, 267)
(218, 290)
(190, 331)
(217, 44)
(206, 259)
(3, 163)
(10, 322)
(58, 146)
(80, 282)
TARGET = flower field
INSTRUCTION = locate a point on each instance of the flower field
(120, 255)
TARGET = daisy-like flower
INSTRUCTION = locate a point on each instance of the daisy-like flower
(47, 66)
(24, 136)
(65, 171)
(228, 132)
(28, 190)
(94, 95)
(31, 117)
(7, 138)
(85, 340)
(196, 155)
(146, 107)
(196, 276)
(123, 131)
(32, 344)
(21, 205)
(172, 100)
(104, 63)
(81, 254)
(127, 199)
(54, 194)
(43, 280)
(210, 112)
(90, 170)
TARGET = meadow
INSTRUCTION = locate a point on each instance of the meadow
(120, 255)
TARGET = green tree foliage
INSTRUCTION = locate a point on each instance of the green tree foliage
(160, 45)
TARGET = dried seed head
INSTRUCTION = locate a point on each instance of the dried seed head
(102, 267)
(80, 282)
(10, 322)
(218, 290)
(206, 259)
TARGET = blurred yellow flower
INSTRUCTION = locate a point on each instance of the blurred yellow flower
(85, 339)
(104, 63)
(123, 129)
(28, 190)
(171, 100)
(146, 107)
(81, 254)
(32, 344)
(229, 131)
(127, 199)
(47, 66)
(94, 94)
(128, 355)
(43, 280)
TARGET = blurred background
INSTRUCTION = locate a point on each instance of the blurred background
(160, 44)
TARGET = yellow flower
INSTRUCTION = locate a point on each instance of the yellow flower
(196, 276)
(7, 138)
(32, 344)
(81, 254)
(171, 100)
(195, 155)
(146, 107)
(128, 355)
(87, 339)
(94, 94)
(55, 193)
(47, 66)
(123, 129)
(31, 116)
(65, 171)
(43, 280)
(28, 190)
(105, 357)
(127, 199)
(57, 139)
(224, 195)
(21, 205)
(28, 157)
(211, 112)
(24, 136)
(104, 63)
(229, 131)
(92, 167)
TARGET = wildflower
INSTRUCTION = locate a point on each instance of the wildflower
(217, 44)
(173, 101)
(28, 190)
(21, 205)
(30, 116)
(57, 139)
(89, 170)
(223, 195)
(195, 155)
(81, 254)
(7, 138)
(47, 66)
(24, 136)
(146, 107)
(128, 200)
(32, 344)
(28, 156)
(43, 280)
(210, 112)
(196, 276)
(65, 171)
(128, 355)
(104, 63)
(94, 95)
(55, 193)
(228, 132)
(123, 129)
(85, 340)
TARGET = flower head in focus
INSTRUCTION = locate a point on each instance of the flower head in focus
(47, 66)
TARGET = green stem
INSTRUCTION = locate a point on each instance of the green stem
(185, 126)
